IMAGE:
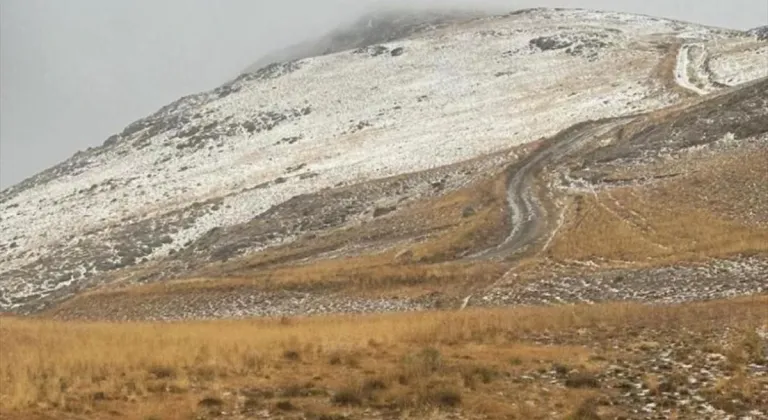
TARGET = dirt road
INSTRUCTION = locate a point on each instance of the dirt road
(529, 220)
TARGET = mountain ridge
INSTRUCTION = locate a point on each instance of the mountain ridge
(233, 157)
(376, 27)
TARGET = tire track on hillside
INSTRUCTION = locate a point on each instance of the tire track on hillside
(692, 71)
(528, 216)
(529, 219)
(683, 68)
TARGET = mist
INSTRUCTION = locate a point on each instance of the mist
(73, 73)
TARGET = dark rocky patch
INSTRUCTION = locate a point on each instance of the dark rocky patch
(197, 138)
(270, 71)
(383, 211)
(292, 169)
(527, 11)
(226, 90)
(761, 33)
(112, 140)
(743, 113)
(373, 51)
(359, 126)
(549, 43)
(577, 44)
(289, 140)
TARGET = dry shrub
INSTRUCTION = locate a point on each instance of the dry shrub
(444, 397)
(292, 355)
(349, 396)
(582, 380)
(163, 372)
(587, 410)
(285, 405)
(70, 365)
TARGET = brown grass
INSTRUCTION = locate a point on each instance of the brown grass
(359, 277)
(600, 229)
(421, 361)
(716, 210)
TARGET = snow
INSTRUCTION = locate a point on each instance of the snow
(748, 62)
(454, 94)
(684, 68)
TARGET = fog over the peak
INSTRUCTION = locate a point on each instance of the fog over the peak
(74, 72)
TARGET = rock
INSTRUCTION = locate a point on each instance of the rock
(373, 51)
(549, 43)
(111, 141)
(381, 211)
(761, 33)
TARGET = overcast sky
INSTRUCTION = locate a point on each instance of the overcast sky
(74, 72)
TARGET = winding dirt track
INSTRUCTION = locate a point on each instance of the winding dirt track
(529, 220)
(692, 70)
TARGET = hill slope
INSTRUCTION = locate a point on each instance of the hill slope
(397, 156)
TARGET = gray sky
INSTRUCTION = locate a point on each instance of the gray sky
(74, 72)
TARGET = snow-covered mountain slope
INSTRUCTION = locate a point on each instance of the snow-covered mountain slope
(441, 96)
(370, 29)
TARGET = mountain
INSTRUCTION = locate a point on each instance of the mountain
(414, 165)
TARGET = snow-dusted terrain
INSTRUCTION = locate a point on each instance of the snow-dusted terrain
(445, 95)
(740, 63)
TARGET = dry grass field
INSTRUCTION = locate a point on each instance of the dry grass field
(524, 363)
(713, 207)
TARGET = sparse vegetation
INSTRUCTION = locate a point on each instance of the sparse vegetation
(441, 360)
(670, 222)
(586, 411)
(582, 380)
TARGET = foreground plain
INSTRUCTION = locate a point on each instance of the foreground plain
(696, 360)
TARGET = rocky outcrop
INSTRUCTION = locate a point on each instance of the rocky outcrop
(761, 33)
